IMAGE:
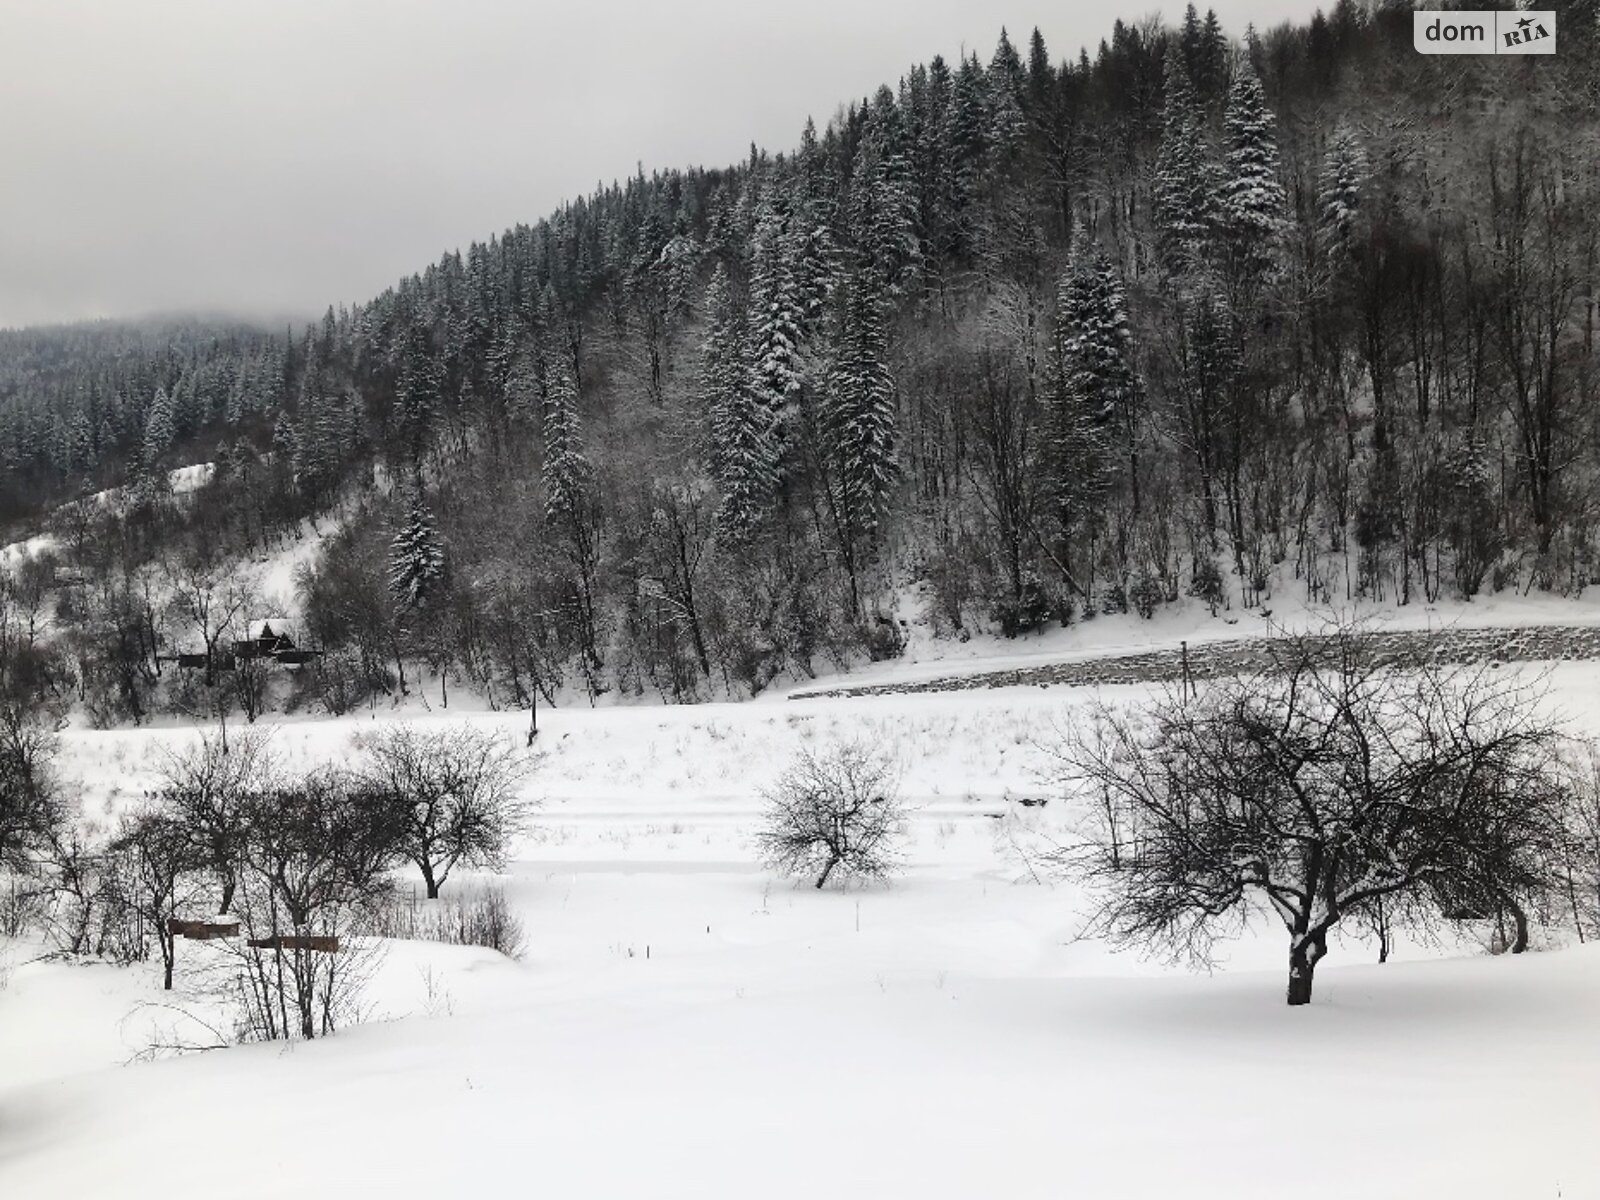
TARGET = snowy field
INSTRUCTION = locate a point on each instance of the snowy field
(683, 1024)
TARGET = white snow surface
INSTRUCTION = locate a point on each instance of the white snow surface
(15, 554)
(685, 1025)
(928, 656)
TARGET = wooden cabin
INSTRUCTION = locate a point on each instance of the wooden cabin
(265, 639)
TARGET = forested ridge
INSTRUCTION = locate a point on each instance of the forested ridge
(1030, 339)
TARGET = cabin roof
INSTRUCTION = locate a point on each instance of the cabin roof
(269, 627)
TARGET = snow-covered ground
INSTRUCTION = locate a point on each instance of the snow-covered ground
(683, 1024)
(929, 657)
(180, 482)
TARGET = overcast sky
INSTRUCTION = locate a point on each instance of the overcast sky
(269, 157)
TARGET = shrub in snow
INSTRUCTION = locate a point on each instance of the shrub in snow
(1029, 610)
(474, 917)
(834, 810)
(1205, 582)
(1145, 595)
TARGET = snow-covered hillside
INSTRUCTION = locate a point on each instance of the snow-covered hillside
(683, 1024)
(181, 481)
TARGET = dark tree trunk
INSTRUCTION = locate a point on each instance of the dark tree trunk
(1303, 958)
(826, 871)
(1519, 921)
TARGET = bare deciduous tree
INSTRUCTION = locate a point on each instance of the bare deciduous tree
(834, 810)
(1323, 786)
(30, 803)
(212, 596)
(317, 853)
(159, 864)
(1580, 882)
(207, 789)
(453, 793)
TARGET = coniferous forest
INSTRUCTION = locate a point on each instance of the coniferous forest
(1204, 313)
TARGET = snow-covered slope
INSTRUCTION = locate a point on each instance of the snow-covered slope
(685, 1025)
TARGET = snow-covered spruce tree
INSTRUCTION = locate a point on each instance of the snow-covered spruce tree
(1339, 189)
(158, 429)
(1093, 423)
(83, 453)
(776, 322)
(566, 468)
(416, 557)
(1253, 206)
(743, 448)
(1007, 125)
(522, 389)
(324, 441)
(419, 391)
(857, 423)
(962, 135)
(570, 509)
(882, 210)
(809, 244)
(1185, 174)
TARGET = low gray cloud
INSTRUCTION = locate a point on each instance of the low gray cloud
(270, 158)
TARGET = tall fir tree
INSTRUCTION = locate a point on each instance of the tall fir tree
(967, 141)
(1340, 186)
(1253, 205)
(1007, 82)
(1095, 417)
(566, 468)
(573, 513)
(742, 436)
(416, 557)
(883, 210)
(420, 383)
(1185, 173)
(858, 424)
(776, 325)
(158, 429)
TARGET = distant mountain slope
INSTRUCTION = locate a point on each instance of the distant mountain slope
(1298, 314)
